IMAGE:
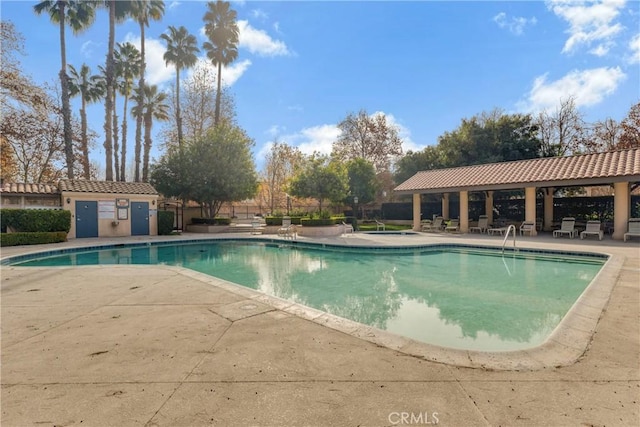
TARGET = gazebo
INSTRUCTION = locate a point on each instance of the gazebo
(620, 168)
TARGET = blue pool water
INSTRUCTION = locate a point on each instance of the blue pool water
(456, 297)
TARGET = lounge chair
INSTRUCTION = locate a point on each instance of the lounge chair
(633, 228)
(287, 230)
(568, 227)
(380, 226)
(483, 224)
(527, 227)
(454, 225)
(593, 228)
(347, 228)
(256, 226)
(436, 225)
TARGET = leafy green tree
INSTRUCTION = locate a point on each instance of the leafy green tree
(320, 179)
(90, 88)
(222, 31)
(213, 170)
(181, 51)
(362, 181)
(413, 162)
(78, 15)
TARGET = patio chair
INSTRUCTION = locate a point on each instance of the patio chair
(454, 225)
(285, 230)
(527, 227)
(379, 225)
(256, 226)
(567, 227)
(593, 228)
(633, 228)
(483, 224)
(436, 225)
(347, 228)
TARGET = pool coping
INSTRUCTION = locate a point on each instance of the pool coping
(568, 342)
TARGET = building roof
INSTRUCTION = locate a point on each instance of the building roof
(22, 188)
(117, 187)
(586, 169)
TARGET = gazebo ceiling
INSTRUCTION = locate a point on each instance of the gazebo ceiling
(585, 169)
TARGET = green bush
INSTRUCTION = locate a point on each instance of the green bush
(37, 238)
(165, 222)
(35, 220)
(211, 221)
(317, 222)
(277, 220)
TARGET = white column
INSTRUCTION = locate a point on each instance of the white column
(445, 206)
(416, 212)
(621, 207)
(464, 211)
(530, 206)
(548, 209)
(488, 206)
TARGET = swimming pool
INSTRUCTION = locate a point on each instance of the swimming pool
(453, 296)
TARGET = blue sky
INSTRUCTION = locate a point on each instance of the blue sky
(303, 66)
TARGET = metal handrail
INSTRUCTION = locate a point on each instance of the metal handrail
(504, 242)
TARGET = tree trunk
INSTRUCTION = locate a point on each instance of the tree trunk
(123, 157)
(138, 146)
(85, 142)
(147, 147)
(116, 146)
(218, 96)
(178, 116)
(64, 86)
(108, 102)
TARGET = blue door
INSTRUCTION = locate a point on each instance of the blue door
(139, 218)
(86, 219)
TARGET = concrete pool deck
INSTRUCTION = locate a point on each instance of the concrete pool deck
(141, 345)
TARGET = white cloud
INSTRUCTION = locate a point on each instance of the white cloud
(88, 48)
(157, 71)
(259, 14)
(259, 42)
(587, 87)
(590, 22)
(515, 25)
(173, 5)
(314, 139)
(634, 47)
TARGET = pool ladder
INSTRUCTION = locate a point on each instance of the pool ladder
(504, 242)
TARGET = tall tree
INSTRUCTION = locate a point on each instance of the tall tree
(630, 137)
(143, 12)
(222, 31)
(320, 179)
(154, 107)
(369, 137)
(181, 51)
(127, 63)
(362, 181)
(90, 88)
(78, 15)
(214, 169)
(280, 164)
(562, 132)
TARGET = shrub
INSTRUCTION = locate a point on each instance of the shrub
(165, 222)
(35, 220)
(317, 222)
(37, 238)
(276, 220)
(211, 221)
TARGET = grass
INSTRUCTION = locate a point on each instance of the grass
(388, 227)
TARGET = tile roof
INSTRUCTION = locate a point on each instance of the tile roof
(22, 188)
(586, 169)
(118, 187)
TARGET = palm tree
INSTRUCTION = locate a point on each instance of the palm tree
(79, 15)
(143, 11)
(153, 107)
(127, 63)
(181, 51)
(91, 89)
(118, 11)
(222, 48)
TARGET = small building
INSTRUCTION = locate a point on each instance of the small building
(98, 208)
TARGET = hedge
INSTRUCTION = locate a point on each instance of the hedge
(316, 222)
(277, 220)
(211, 221)
(37, 238)
(165, 222)
(35, 220)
